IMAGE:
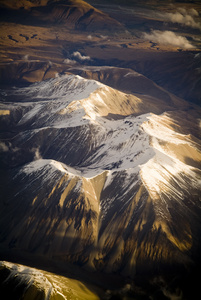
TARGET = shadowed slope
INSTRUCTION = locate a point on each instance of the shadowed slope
(75, 14)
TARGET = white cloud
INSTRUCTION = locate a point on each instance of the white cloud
(103, 37)
(3, 147)
(81, 57)
(69, 61)
(184, 17)
(26, 57)
(193, 12)
(37, 154)
(168, 38)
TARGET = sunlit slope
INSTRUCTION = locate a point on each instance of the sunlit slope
(22, 282)
(129, 81)
(98, 180)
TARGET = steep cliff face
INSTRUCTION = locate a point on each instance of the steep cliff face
(96, 179)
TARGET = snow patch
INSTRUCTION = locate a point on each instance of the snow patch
(133, 74)
(50, 165)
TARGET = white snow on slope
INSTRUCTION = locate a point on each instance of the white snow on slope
(54, 286)
(48, 166)
(65, 87)
(164, 172)
(124, 144)
(70, 101)
(157, 126)
(165, 175)
(29, 276)
(56, 100)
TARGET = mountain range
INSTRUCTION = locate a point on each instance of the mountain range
(100, 162)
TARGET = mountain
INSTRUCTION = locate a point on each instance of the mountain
(101, 179)
(130, 81)
(75, 14)
(17, 280)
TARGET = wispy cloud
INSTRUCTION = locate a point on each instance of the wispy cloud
(3, 147)
(79, 56)
(69, 61)
(168, 38)
(37, 154)
(26, 57)
(184, 17)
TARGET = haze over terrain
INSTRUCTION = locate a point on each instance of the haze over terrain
(100, 149)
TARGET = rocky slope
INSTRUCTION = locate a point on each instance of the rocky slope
(99, 178)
